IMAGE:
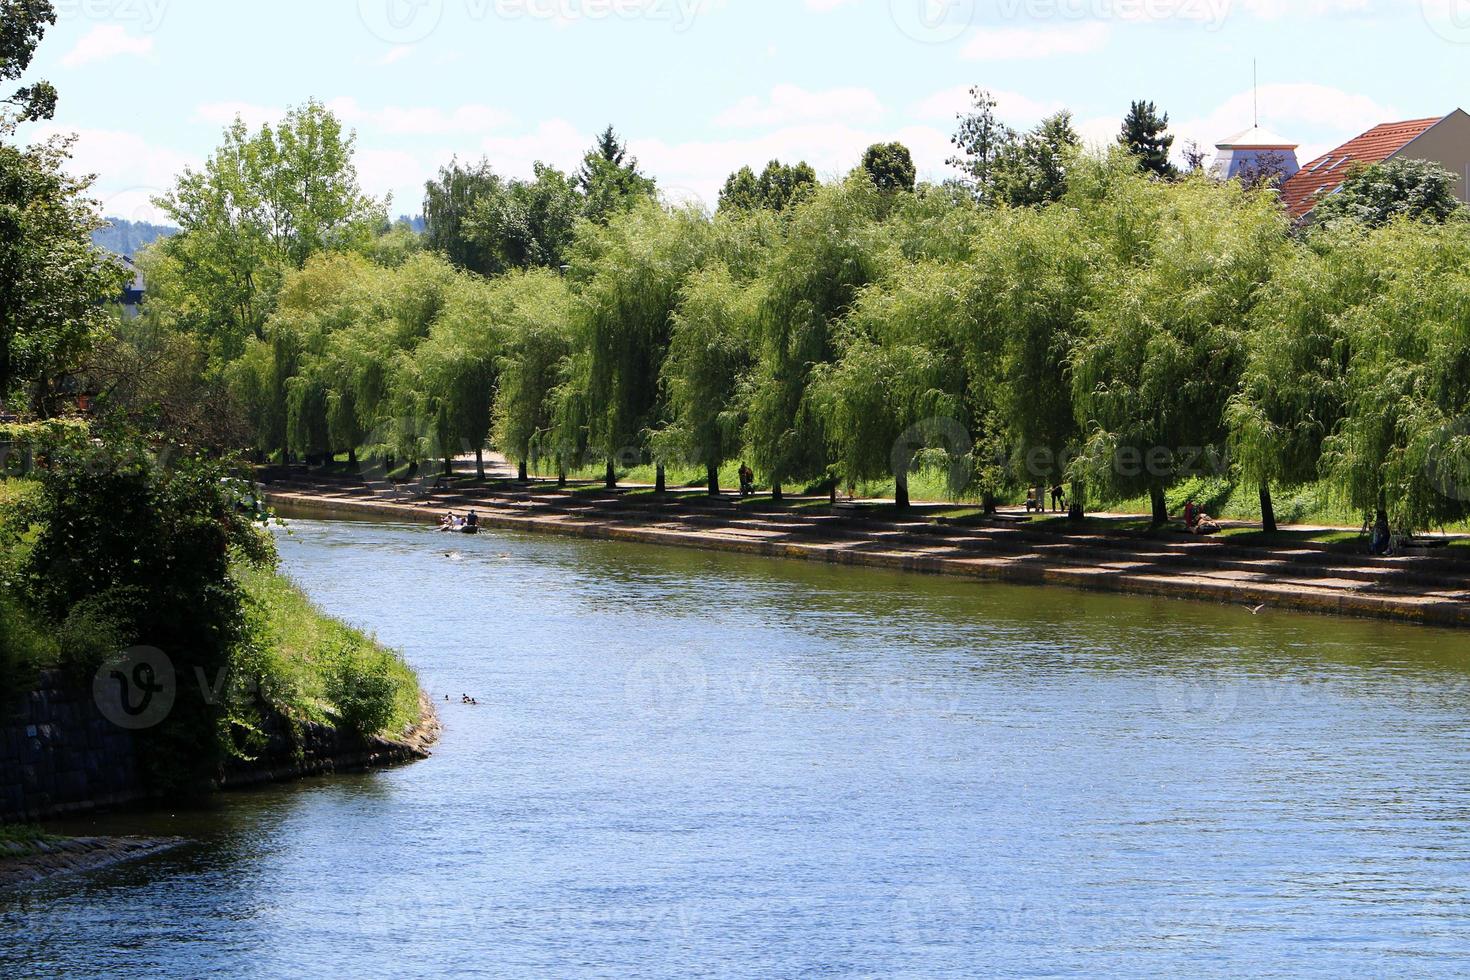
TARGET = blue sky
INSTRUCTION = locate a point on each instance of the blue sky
(701, 87)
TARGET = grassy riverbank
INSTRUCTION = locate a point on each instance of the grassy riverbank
(308, 666)
(322, 670)
(23, 841)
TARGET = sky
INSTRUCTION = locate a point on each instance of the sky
(702, 87)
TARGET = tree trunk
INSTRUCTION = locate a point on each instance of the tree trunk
(901, 491)
(523, 472)
(352, 458)
(777, 494)
(987, 503)
(1268, 509)
(480, 465)
(449, 466)
(713, 473)
(832, 494)
(612, 475)
(1078, 510)
(660, 479)
(561, 476)
(1160, 506)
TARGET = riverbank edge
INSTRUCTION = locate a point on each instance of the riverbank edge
(1400, 609)
(76, 855)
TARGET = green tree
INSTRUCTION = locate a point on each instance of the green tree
(527, 224)
(1165, 339)
(778, 187)
(535, 308)
(22, 25)
(1294, 390)
(1403, 445)
(1416, 190)
(831, 247)
(898, 388)
(450, 204)
(1146, 136)
(709, 352)
(982, 141)
(891, 167)
(53, 282)
(610, 180)
(628, 275)
(261, 205)
(1032, 171)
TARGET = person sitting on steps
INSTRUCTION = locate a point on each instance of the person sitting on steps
(747, 481)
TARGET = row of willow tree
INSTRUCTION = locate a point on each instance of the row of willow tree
(1131, 334)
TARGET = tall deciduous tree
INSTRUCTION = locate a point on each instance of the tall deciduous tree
(981, 140)
(22, 25)
(778, 187)
(891, 167)
(261, 205)
(535, 307)
(1032, 171)
(451, 201)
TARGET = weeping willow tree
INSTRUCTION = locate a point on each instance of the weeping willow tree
(709, 352)
(628, 275)
(899, 392)
(1403, 447)
(1035, 271)
(831, 248)
(533, 306)
(1164, 344)
(1294, 390)
(450, 377)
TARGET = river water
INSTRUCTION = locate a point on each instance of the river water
(692, 764)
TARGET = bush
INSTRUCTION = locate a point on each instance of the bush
(360, 682)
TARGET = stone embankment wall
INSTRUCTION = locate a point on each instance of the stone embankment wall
(59, 756)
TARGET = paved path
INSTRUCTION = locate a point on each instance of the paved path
(1313, 577)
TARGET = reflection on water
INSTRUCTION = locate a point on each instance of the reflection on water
(695, 764)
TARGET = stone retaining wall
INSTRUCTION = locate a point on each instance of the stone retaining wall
(59, 756)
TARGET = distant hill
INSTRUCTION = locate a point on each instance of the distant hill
(417, 223)
(123, 237)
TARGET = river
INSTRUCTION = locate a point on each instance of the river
(695, 764)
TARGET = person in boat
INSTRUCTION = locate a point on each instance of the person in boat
(447, 522)
(472, 523)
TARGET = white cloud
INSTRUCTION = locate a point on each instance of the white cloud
(105, 42)
(556, 142)
(1024, 43)
(826, 6)
(788, 104)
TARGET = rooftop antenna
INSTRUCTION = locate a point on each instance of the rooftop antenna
(1256, 93)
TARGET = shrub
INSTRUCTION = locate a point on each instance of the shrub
(361, 682)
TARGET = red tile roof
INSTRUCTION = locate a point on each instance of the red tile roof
(1326, 173)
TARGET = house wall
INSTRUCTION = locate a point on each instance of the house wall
(1448, 144)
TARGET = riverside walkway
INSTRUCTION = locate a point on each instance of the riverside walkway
(1307, 576)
